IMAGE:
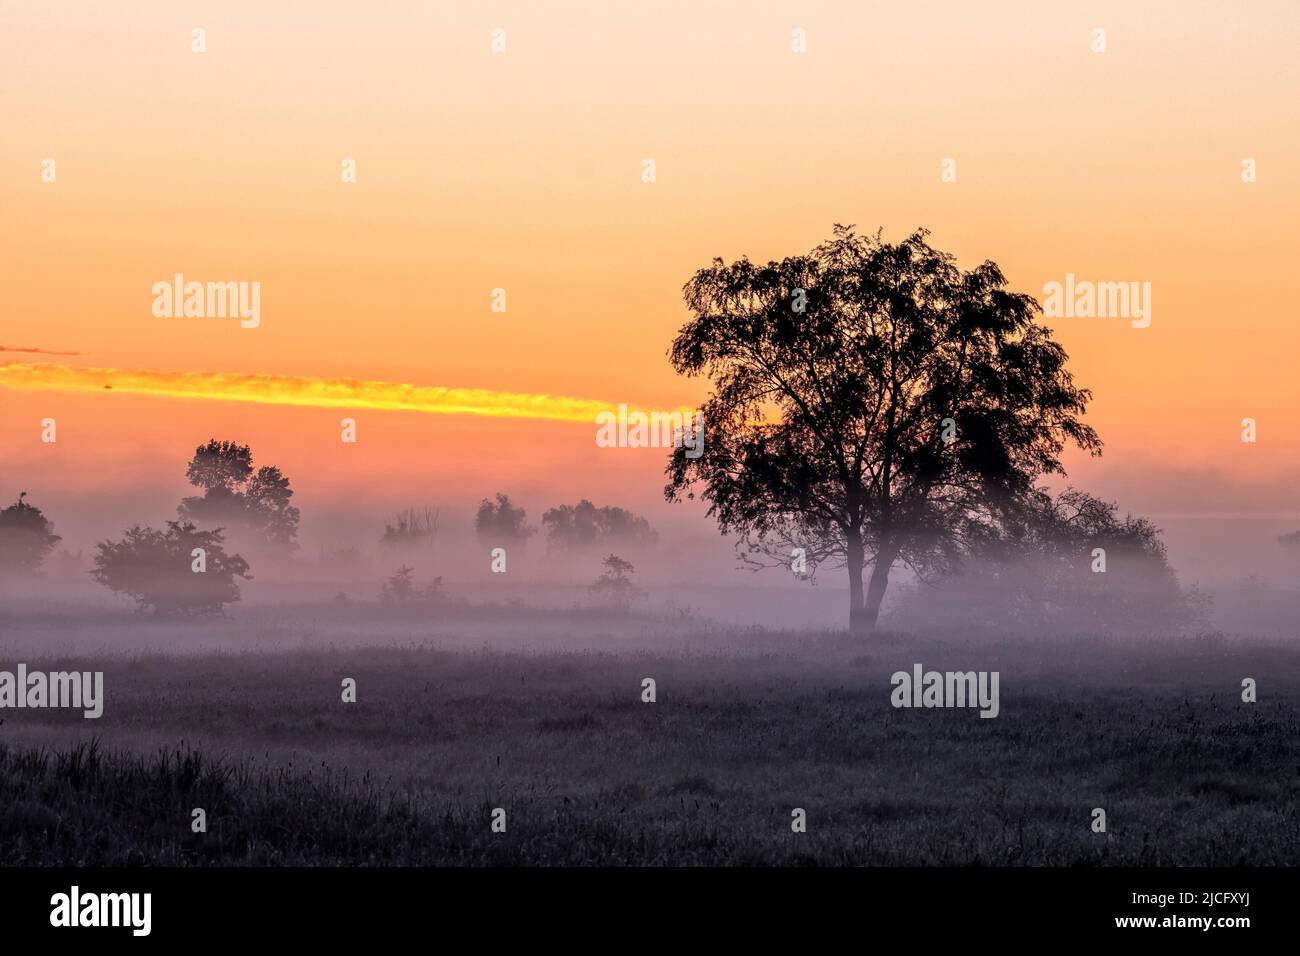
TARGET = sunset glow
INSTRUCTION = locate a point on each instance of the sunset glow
(523, 173)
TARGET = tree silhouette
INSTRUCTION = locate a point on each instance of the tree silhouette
(401, 586)
(871, 403)
(584, 525)
(157, 569)
(220, 465)
(615, 583)
(239, 498)
(502, 522)
(26, 537)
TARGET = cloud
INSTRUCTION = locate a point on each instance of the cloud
(4, 348)
(311, 392)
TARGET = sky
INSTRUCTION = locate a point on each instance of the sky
(522, 170)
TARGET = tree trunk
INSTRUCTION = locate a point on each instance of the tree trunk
(876, 588)
(864, 608)
(859, 626)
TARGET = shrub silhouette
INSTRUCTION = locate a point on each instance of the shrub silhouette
(155, 569)
(400, 588)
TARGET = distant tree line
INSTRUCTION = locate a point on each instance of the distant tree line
(185, 567)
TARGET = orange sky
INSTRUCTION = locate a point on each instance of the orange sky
(522, 171)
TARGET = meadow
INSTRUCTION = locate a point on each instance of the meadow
(747, 726)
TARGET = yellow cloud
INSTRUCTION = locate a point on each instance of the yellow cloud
(311, 392)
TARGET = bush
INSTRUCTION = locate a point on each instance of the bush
(401, 589)
(157, 569)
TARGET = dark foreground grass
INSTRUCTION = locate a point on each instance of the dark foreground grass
(707, 775)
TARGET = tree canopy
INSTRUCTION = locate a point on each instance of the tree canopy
(872, 403)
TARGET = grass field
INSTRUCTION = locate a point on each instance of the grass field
(741, 733)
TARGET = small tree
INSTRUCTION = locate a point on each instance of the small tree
(401, 586)
(615, 584)
(501, 522)
(26, 537)
(180, 571)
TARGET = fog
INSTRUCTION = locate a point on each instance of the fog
(689, 577)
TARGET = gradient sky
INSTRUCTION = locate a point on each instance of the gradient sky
(522, 171)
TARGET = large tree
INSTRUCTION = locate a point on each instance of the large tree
(872, 404)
